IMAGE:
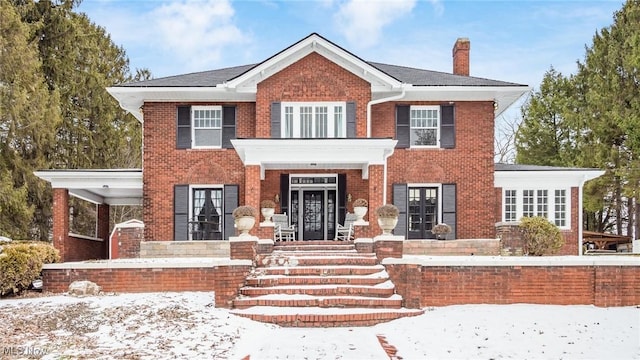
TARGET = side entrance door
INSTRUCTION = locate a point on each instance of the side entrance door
(422, 212)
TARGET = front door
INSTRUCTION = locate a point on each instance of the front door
(313, 215)
(423, 212)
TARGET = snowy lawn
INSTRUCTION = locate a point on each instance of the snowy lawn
(188, 326)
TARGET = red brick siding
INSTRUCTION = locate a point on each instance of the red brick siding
(561, 285)
(470, 165)
(312, 78)
(224, 280)
(60, 221)
(125, 242)
(78, 249)
(571, 237)
(166, 166)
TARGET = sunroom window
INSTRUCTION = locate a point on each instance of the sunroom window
(551, 204)
(313, 120)
(425, 125)
(207, 126)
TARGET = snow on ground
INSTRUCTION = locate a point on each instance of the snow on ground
(188, 326)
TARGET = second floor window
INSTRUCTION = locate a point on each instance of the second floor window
(207, 126)
(313, 120)
(425, 125)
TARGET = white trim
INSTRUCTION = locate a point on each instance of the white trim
(428, 261)
(155, 263)
(286, 154)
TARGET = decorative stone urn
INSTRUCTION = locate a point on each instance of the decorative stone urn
(267, 208)
(387, 218)
(245, 219)
(244, 224)
(360, 209)
(387, 224)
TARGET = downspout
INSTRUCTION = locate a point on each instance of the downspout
(580, 215)
(369, 105)
(379, 101)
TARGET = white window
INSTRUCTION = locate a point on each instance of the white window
(313, 120)
(425, 126)
(510, 211)
(519, 203)
(207, 126)
(560, 200)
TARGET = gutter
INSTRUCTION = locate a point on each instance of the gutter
(379, 101)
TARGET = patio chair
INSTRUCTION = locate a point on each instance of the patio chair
(282, 231)
(345, 232)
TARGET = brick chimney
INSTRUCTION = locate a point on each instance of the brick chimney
(461, 56)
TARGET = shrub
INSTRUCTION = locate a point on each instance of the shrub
(21, 263)
(387, 210)
(360, 203)
(267, 204)
(540, 236)
(244, 210)
(441, 229)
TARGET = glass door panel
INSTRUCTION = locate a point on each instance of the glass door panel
(313, 215)
(422, 212)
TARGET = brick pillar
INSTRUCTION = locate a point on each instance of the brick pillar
(102, 230)
(388, 246)
(60, 220)
(511, 242)
(376, 183)
(252, 188)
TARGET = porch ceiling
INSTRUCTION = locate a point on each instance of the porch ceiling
(314, 154)
(113, 187)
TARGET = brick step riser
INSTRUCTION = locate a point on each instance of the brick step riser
(329, 320)
(313, 247)
(292, 272)
(351, 291)
(314, 243)
(328, 255)
(323, 280)
(321, 303)
(358, 261)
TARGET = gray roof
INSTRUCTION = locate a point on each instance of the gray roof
(407, 75)
(521, 167)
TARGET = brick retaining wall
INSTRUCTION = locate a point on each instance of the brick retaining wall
(223, 277)
(431, 281)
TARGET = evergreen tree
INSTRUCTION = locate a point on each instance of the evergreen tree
(29, 115)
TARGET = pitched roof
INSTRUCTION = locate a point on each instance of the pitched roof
(407, 75)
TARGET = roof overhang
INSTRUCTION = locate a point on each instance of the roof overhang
(542, 178)
(310, 154)
(503, 96)
(113, 187)
(314, 43)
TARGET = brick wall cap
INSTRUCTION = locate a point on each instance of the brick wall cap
(265, 241)
(388, 238)
(244, 239)
(360, 223)
(508, 223)
(363, 241)
(267, 224)
(611, 260)
(155, 263)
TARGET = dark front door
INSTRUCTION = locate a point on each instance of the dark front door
(423, 212)
(313, 215)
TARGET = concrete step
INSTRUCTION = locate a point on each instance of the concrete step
(277, 280)
(296, 246)
(326, 253)
(325, 270)
(384, 289)
(301, 300)
(323, 317)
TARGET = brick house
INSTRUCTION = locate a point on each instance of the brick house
(313, 128)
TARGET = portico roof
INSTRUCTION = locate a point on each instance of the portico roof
(309, 154)
(100, 186)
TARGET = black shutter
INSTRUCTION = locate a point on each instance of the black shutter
(342, 197)
(228, 126)
(400, 197)
(275, 120)
(351, 119)
(449, 208)
(183, 131)
(447, 127)
(284, 193)
(181, 212)
(231, 199)
(402, 127)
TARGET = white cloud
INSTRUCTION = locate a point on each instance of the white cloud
(196, 32)
(362, 21)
